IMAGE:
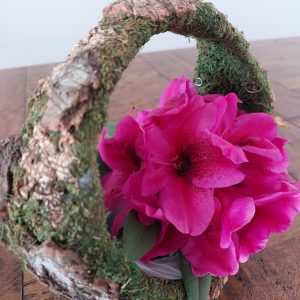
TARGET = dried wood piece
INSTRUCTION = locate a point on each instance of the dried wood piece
(65, 273)
(10, 153)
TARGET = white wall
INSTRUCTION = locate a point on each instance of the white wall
(43, 31)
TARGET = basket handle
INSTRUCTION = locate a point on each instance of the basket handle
(69, 109)
(57, 169)
(97, 62)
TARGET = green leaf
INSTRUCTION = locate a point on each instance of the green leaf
(111, 129)
(190, 281)
(137, 238)
(204, 286)
(103, 168)
(110, 219)
(196, 288)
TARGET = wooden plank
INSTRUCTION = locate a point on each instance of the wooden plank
(35, 73)
(287, 103)
(295, 121)
(277, 50)
(292, 133)
(282, 60)
(168, 64)
(188, 55)
(137, 88)
(12, 101)
(35, 290)
(272, 274)
(11, 276)
(292, 233)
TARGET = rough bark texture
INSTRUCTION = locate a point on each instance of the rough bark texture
(10, 153)
(64, 272)
(55, 196)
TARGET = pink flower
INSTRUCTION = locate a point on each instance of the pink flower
(188, 158)
(122, 153)
(203, 252)
(213, 175)
(241, 226)
(276, 201)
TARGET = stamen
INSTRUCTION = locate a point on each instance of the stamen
(181, 163)
(162, 163)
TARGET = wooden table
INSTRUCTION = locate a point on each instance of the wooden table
(273, 274)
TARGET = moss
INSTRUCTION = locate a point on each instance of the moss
(223, 72)
(83, 228)
(18, 172)
(4, 232)
(215, 27)
(84, 231)
(54, 138)
(36, 109)
(224, 63)
(31, 221)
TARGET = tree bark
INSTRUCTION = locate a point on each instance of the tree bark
(10, 153)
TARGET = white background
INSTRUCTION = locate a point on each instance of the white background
(44, 31)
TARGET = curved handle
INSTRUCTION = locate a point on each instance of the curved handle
(224, 63)
(69, 110)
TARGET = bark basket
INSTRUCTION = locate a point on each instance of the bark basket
(51, 211)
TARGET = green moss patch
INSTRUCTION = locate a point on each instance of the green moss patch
(223, 73)
(36, 110)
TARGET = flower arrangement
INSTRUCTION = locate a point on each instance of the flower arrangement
(197, 179)
(192, 188)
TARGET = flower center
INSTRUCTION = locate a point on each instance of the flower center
(181, 163)
(136, 161)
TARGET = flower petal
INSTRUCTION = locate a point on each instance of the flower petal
(236, 215)
(183, 204)
(260, 181)
(119, 152)
(274, 213)
(169, 241)
(127, 130)
(217, 173)
(232, 152)
(155, 178)
(221, 106)
(120, 218)
(147, 207)
(177, 87)
(112, 184)
(262, 147)
(198, 117)
(160, 146)
(231, 113)
(206, 257)
(252, 125)
(227, 111)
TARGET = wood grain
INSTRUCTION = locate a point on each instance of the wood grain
(273, 274)
(12, 101)
(35, 290)
(11, 276)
